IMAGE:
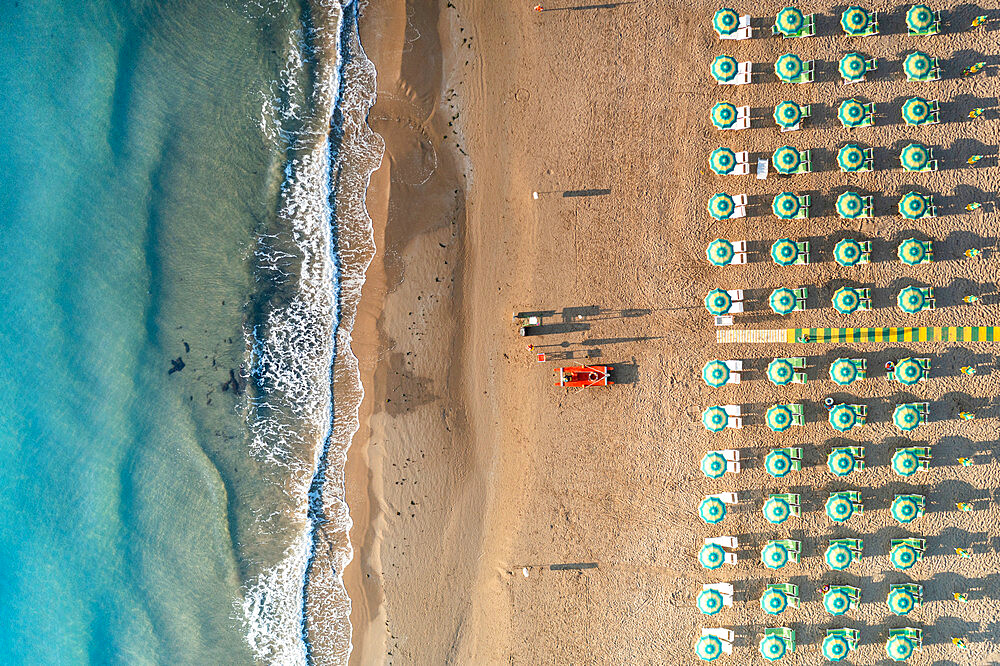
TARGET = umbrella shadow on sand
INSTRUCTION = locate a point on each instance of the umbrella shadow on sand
(950, 448)
(950, 363)
(954, 245)
(960, 18)
(947, 493)
(963, 196)
(943, 585)
(960, 60)
(957, 155)
(957, 109)
(944, 544)
(950, 404)
(956, 290)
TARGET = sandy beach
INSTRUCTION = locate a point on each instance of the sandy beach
(470, 466)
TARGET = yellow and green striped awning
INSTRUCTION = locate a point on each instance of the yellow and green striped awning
(848, 335)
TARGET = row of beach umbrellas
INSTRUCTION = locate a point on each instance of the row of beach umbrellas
(850, 158)
(850, 205)
(847, 252)
(855, 21)
(843, 371)
(779, 418)
(846, 300)
(852, 112)
(837, 600)
(903, 554)
(836, 646)
(841, 461)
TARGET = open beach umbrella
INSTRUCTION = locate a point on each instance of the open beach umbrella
(840, 462)
(724, 115)
(773, 601)
(780, 372)
(782, 301)
(916, 111)
(911, 252)
(906, 417)
(855, 20)
(724, 68)
(835, 648)
(779, 418)
(788, 67)
(903, 556)
(713, 465)
(726, 21)
(776, 510)
(851, 113)
(714, 419)
(850, 205)
(778, 464)
(843, 418)
(918, 66)
(836, 602)
(720, 252)
(900, 601)
(708, 648)
(774, 555)
(847, 252)
(904, 463)
(910, 300)
(787, 114)
(839, 508)
(904, 509)
(843, 371)
(908, 371)
(718, 301)
(789, 21)
(912, 206)
(914, 157)
(846, 300)
(853, 67)
(722, 161)
(715, 373)
(773, 647)
(709, 602)
(919, 18)
(839, 557)
(851, 158)
(711, 556)
(785, 205)
(784, 252)
(786, 159)
(712, 510)
(899, 648)
(721, 206)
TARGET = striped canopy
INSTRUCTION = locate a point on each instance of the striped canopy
(782, 301)
(836, 601)
(905, 509)
(722, 161)
(840, 462)
(712, 510)
(784, 252)
(848, 252)
(843, 418)
(709, 602)
(855, 20)
(899, 648)
(718, 302)
(916, 111)
(851, 158)
(779, 418)
(851, 113)
(786, 159)
(787, 114)
(713, 465)
(726, 21)
(843, 371)
(773, 601)
(780, 372)
(774, 555)
(789, 21)
(776, 510)
(721, 206)
(914, 157)
(835, 647)
(911, 252)
(715, 374)
(850, 206)
(900, 601)
(906, 417)
(905, 463)
(838, 556)
(853, 67)
(773, 647)
(919, 18)
(720, 252)
(777, 463)
(918, 66)
(714, 419)
(724, 115)
(908, 371)
(913, 206)
(839, 507)
(711, 556)
(785, 205)
(788, 67)
(708, 648)
(724, 68)
(903, 556)
(846, 300)
(911, 300)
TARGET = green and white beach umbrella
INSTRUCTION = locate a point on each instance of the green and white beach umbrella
(900, 601)
(788, 67)
(850, 205)
(714, 419)
(855, 20)
(718, 302)
(847, 252)
(916, 111)
(914, 157)
(784, 252)
(780, 372)
(853, 67)
(776, 510)
(836, 601)
(905, 463)
(918, 66)
(785, 205)
(906, 417)
(726, 21)
(778, 464)
(843, 371)
(773, 601)
(839, 508)
(920, 18)
(722, 161)
(789, 21)
(773, 647)
(715, 373)
(851, 158)
(782, 301)
(712, 510)
(787, 114)
(720, 252)
(911, 252)
(779, 418)
(721, 206)
(840, 462)
(903, 556)
(713, 465)
(724, 68)
(708, 648)
(851, 113)
(774, 555)
(711, 556)
(899, 648)
(846, 300)
(838, 556)
(908, 371)
(843, 418)
(786, 159)
(911, 300)
(835, 647)
(905, 509)
(724, 115)
(912, 206)
(709, 602)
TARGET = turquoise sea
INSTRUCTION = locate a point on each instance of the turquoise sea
(168, 198)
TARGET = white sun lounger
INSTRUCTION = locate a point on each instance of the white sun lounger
(727, 498)
(734, 366)
(730, 542)
(723, 320)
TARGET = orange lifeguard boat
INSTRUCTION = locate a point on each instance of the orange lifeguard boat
(585, 375)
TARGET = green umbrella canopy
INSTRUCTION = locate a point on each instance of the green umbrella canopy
(899, 648)
(724, 68)
(785, 205)
(840, 462)
(784, 252)
(788, 67)
(726, 21)
(720, 252)
(721, 206)
(776, 510)
(773, 601)
(838, 557)
(903, 556)
(836, 601)
(900, 601)
(905, 463)
(850, 205)
(722, 161)
(780, 372)
(778, 464)
(713, 465)
(918, 65)
(714, 418)
(916, 111)
(905, 509)
(774, 555)
(851, 158)
(779, 418)
(908, 371)
(773, 647)
(718, 302)
(835, 648)
(911, 252)
(715, 373)
(914, 156)
(789, 21)
(846, 300)
(843, 371)
(839, 508)
(851, 113)
(724, 115)
(712, 510)
(912, 206)
(910, 300)
(853, 67)
(711, 556)
(843, 418)
(787, 114)
(782, 301)
(848, 251)
(855, 20)
(708, 648)
(709, 602)
(919, 18)
(786, 159)
(906, 417)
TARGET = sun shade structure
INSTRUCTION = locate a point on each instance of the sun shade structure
(724, 115)
(784, 252)
(715, 374)
(712, 510)
(900, 600)
(839, 507)
(708, 648)
(788, 67)
(912, 252)
(786, 205)
(773, 647)
(913, 206)
(726, 21)
(774, 555)
(846, 300)
(718, 302)
(843, 371)
(724, 68)
(838, 557)
(773, 601)
(782, 301)
(789, 21)
(776, 510)
(778, 464)
(714, 419)
(711, 556)
(911, 300)
(851, 158)
(787, 114)
(908, 371)
(843, 418)
(915, 157)
(780, 372)
(905, 463)
(720, 252)
(709, 602)
(836, 601)
(722, 161)
(906, 417)
(779, 418)
(916, 111)
(899, 648)
(786, 160)
(855, 21)
(852, 113)
(840, 462)
(721, 206)
(853, 67)
(903, 556)
(906, 508)
(920, 19)
(835, 647)
(713, 465)
(850, 206)
(918, 66)
(848, 252)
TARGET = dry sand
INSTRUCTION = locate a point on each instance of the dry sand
(470, 465)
